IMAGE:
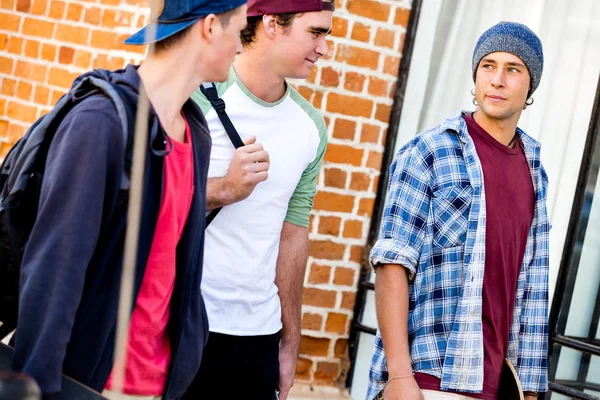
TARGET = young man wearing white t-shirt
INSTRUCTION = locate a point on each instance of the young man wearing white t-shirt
(257, 247)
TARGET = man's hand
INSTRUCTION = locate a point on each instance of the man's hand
(249, 166)
(403, 389)
(287, 371)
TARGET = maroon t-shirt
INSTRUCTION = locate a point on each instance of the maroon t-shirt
(509, 198)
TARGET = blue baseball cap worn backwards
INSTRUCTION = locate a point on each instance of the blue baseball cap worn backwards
(172, 16)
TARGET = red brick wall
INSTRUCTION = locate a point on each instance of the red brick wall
(45, 44)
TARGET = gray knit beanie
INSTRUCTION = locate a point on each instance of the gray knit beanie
(514, 38)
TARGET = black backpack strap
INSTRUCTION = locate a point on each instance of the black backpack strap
(210, 91)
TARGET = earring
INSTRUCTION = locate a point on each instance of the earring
(474, 100)
(528, 103)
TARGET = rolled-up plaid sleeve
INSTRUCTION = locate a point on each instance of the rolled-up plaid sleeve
(405, 214)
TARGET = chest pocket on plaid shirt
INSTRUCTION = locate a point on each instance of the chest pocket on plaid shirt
(450, 207)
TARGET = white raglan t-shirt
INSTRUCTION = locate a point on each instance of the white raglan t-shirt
(242, 242)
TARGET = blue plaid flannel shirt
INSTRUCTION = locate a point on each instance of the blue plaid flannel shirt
(434, 225)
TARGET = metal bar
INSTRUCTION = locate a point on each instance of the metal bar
(364, 329)
(388, 154)
(573, 393)
(584, 366)
(565, 281)
(577, 345)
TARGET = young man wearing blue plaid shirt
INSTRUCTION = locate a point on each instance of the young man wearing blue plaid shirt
(462, 260)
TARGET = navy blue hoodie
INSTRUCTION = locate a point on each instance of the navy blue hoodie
(72, 264)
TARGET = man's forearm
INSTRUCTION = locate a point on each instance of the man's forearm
(391, 298)
(216, 194)
(291, 266)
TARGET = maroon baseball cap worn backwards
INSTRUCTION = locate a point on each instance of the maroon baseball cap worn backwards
(262, 7)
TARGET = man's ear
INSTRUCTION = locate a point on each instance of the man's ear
(208, 27)
(269, 23)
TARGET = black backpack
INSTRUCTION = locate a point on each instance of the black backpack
(21, 176)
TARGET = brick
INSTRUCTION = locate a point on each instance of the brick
(24, 90)
(4, 149)
(330, 77)
(357, 56)
(348, 300)
(333, 202)
(382, 112)
(349, 105)
(2, 106)
(312, 322)
(124, 18)
(23, 5)
(31, 71)
(326, 372)
(311, 222)
(57, 9)
(401, 44)
(317, 100)
(306, 92)
(341, 348)
(48, 52)
(32, 48)
(324, 249)
(361, 32)
(339, 27)
(65, 55)
(3, 41)
(330, 225)
(21, 112)
(15, 45)
(330, 50)
(319, 274)
(370, 9)
(109, 18)
(336, 323)
(344, 276)
(303, 369)
(74, 12)
(93, 16)
(378, 87)
(312, 78)
(37, 27)
(83, 59)
(313, 346)
(335, 178)
(102, 40)
(385, 38)
(42, 94)
(374, 159)
(101, 61)
(8, 86)
(56, 95)
(342, 154)
(318, 297)
(360, 181)
(6, 65)
(9, 22)
(15, 132)
(73, 34)
(110, 2)
(354, 81)
(61, 77)
(39, 7)
(391, 65)
(344, 129)
(3, 128)
(365, 207)
(401, 17)
(353, 229)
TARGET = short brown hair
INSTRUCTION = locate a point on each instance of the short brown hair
(172, 41)
(248, 35)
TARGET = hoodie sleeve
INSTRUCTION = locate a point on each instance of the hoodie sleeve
(83, 169)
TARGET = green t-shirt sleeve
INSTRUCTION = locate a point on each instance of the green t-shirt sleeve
(302, 200)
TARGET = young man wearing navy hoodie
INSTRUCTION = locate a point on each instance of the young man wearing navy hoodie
(72, 263)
